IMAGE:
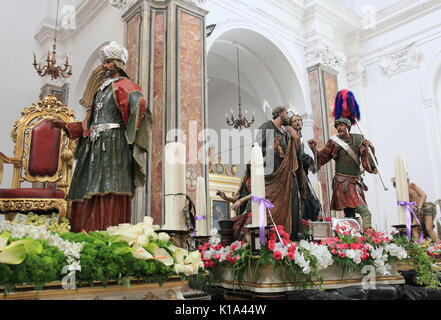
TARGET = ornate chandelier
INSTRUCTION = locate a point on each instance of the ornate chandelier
(241, 121)
(51, 67)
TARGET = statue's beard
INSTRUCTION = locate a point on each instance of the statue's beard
(109, 73)
(285, 121)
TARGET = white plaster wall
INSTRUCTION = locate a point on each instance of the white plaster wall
(105, 27)
(399, 113)
(20, 85)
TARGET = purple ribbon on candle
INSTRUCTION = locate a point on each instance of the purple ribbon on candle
(409, 218)
(265, 204)
(197, 218)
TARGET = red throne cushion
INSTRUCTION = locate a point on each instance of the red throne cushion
(45, 150)
(36, 193)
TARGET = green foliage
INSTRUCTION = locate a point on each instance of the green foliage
(250, 264)
(99, 262)
(53, 224)
(35, 270)
(421, 261)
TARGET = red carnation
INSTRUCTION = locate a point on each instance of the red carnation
(271, 245)
(277, 255)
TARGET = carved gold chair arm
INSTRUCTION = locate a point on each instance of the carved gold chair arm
(3, 159)
(66, 158)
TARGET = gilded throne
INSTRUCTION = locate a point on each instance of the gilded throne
(42, 155)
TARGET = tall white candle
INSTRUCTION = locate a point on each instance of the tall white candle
(257, 183)
(201, 209)
(175, 186)
(402, 187)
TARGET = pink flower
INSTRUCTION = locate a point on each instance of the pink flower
(328, 219)
(341, 255)
(217, 256)
(277, 255)
(271, 245)
(334, 251)
(290, 255)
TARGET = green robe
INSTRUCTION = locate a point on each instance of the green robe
(114, 162)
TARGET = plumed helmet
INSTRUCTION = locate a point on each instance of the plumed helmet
(114, 51)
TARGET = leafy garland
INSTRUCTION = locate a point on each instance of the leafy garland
(300, 263)
(101, 256)
(421, 261)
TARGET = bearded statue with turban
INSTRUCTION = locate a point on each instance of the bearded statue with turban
(113, 140)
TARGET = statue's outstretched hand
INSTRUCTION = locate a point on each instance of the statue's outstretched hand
(312, 144)
(56, 123)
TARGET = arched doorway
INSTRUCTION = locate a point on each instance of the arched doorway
(265, 75)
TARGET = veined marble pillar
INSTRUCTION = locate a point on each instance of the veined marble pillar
(166, 41)
(323, 86)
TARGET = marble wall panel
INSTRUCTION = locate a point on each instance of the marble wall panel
(158, 115)
(191, 88)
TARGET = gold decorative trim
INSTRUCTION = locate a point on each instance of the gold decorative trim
(290, 284)
(27, 205)
(48, 108)
(96, 292)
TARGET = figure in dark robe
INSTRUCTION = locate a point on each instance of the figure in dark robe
(110, 154)
(312, 207)
(285, 183)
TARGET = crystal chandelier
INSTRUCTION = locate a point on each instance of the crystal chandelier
(241, 121)
(51, 67)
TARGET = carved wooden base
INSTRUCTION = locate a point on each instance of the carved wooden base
(170, 290)
(13, 206)
(267, 281)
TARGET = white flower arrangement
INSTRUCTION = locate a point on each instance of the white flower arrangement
(143, 233)
(71, 250)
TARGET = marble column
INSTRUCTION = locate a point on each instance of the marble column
(323, 86)
(166, 41)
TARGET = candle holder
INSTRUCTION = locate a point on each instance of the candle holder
(199, 241)
(402, 228)
(179, 237)
(254, 233)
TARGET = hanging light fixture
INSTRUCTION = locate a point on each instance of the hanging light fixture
(51, 67)
(241, 121)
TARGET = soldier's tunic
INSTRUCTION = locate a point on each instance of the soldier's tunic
(348, 187)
